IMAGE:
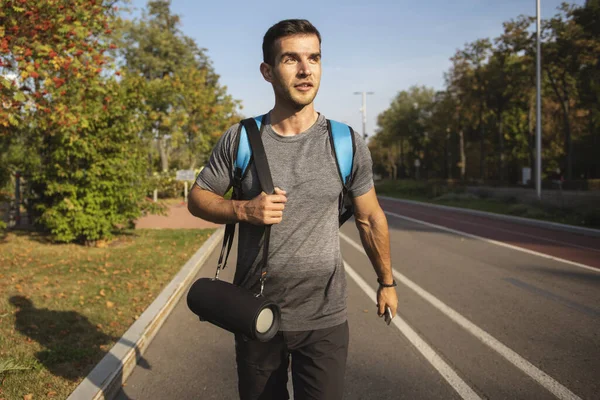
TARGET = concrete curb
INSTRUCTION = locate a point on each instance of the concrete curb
(105, 380)
(526, 221)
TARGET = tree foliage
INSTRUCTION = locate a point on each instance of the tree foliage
(483, 123)
(77, 124)
(185, 107)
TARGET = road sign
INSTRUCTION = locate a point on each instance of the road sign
(185, 175)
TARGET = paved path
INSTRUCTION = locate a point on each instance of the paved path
(477, 319)
(178, 217)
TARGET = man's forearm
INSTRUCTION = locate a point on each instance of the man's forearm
(375, 238)
(214, 208)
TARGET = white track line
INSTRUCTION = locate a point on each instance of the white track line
(503, 217)
(531, 370)
(510, 246)
(430, 355)
(515, 232)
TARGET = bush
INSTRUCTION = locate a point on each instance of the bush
(91, 181)
(590, 217)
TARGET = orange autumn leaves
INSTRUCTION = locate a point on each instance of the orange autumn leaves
(46, 45)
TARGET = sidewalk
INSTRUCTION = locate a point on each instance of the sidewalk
(178, 217)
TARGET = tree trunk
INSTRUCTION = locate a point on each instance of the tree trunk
(150, 163)
(568, 145)
(501, 171)
(447, 164)
(481, 145)
(402, 157)
(162, 151)
(531, 136)
(463, 156)
(461, 148)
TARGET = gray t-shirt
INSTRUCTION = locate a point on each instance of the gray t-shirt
(306, 273)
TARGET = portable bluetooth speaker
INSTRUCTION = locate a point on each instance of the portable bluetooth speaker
(233, 308)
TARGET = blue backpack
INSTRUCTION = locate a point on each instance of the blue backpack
(341, 137)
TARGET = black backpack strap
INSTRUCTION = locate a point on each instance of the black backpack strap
(238, 175)
(266, 182)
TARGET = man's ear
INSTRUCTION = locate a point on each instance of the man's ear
(267, 72)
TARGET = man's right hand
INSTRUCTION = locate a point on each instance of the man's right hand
(264, 209)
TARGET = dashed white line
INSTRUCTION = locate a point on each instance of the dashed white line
(531, 370)
(457, 383)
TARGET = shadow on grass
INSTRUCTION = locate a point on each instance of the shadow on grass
(73, 345)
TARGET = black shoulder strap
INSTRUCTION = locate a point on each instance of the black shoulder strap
(260, 157)
(266, 183)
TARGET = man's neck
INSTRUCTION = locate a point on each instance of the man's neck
(292, 122)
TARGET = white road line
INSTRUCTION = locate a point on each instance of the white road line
(515, 232)
(503, 217)
(430, 355)
(510, 246)
(531, 370)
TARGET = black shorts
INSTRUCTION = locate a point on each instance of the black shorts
(318, 362)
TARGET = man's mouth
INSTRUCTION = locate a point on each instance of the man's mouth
(303, 86)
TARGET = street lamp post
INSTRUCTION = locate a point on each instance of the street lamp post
(363, 110)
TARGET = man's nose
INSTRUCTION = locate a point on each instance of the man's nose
(305, 68)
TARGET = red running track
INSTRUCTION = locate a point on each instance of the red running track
(566, 245)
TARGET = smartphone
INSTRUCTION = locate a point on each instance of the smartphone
(388, 315)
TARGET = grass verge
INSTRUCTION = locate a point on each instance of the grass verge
(62, 307)
(455, 197)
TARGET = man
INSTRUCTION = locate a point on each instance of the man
(306, 273)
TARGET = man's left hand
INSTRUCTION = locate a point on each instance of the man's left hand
(387, 297)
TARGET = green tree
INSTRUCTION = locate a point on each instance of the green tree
(587, 19)
(404, 124)
(492, 89)
(64, 108)
(184, 104)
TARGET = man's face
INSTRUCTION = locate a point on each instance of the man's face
(296, 73)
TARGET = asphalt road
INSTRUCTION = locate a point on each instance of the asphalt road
(479, 318)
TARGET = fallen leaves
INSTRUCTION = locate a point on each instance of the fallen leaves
(100, 284)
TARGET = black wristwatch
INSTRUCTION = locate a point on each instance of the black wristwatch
(393, 284)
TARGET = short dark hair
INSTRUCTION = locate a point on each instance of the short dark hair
(285, 28)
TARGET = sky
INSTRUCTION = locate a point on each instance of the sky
(381, 46)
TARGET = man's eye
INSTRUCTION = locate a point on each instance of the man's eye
(288, 60)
